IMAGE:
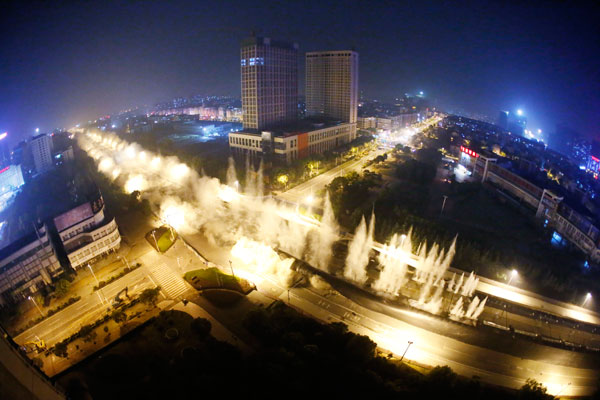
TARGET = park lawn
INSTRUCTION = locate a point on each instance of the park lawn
(213, 278)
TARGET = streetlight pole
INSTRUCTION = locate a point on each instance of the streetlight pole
(443, 205)
(155, 242)
(293, 286)
(587, 298)
(94, 275)
(36, 305)
(231, 266)
(409, 343)
(513, 273)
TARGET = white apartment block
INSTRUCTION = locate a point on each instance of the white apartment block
(86, 233)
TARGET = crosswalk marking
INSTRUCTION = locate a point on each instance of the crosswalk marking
(169, 281)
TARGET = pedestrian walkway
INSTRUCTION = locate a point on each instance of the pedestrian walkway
(171, 284)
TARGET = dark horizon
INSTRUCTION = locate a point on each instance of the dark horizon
(69, 64)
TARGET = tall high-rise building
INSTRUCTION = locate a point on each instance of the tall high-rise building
(41, 148)
(332, 85)
(269, 71)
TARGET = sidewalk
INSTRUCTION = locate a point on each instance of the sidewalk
(82, 285)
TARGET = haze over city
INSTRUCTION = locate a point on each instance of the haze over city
(69, 64)
(316, 199)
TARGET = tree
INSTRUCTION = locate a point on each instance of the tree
(533, 390)
(118, 316)
(62, 287)
(150, 296)
(60, 349)
(201, 326)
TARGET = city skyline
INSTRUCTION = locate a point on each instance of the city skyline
(105, 62)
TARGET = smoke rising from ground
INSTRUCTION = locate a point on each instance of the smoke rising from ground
(254, 224)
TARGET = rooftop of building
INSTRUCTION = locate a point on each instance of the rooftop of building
(41, 135)
(297, 127)
(328, 52)
(8, 247)
(265, 41)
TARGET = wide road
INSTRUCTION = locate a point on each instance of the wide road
(300, 193)
(392, 328)
(433, 349)
(156, 270)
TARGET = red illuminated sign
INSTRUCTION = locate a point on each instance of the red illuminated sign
(4, 169)
(595, 159)
(469, 152)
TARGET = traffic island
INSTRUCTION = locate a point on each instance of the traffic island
(161, 239)
(219, 288)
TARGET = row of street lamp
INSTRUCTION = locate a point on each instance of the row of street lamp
(514, 273)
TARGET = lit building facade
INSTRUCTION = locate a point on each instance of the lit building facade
(332, 85)
(294, 144)
(27, 265)
(86, 233)
(269, 76)
(5, 158)
(41, 149)
(547, 206)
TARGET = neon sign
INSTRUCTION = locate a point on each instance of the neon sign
(469, 152)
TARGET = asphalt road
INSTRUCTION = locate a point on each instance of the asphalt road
(300, 193)
(391, 328)
(156, 270)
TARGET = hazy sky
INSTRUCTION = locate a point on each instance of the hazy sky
(64, 62)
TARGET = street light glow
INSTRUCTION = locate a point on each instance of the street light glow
(519, 112)
(309, 199)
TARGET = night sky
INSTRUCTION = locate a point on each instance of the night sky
(67, 62)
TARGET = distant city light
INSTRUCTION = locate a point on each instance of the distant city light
(519, 112)
(37, 130)
(539, 131)
(3, 135)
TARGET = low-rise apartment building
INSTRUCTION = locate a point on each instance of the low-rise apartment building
(86, 233)
(27, 265)
(569, 224)
(295, 142)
